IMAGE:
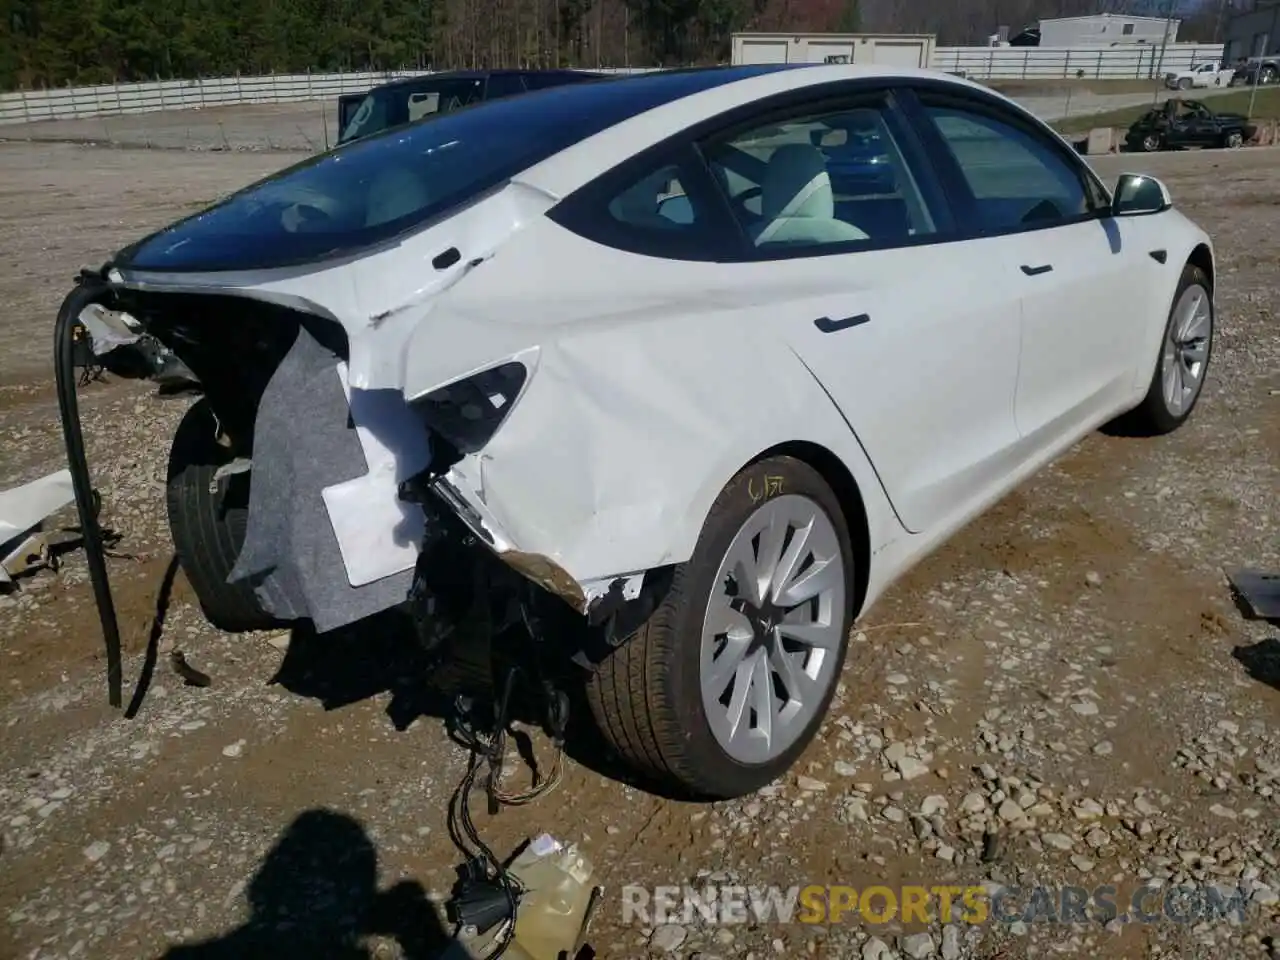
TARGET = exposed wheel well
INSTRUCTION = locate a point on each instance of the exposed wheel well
(1201, 257)
(842, 484)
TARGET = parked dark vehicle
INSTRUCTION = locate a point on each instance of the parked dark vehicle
(1187, 123)
(403, 101)
(1260, 72)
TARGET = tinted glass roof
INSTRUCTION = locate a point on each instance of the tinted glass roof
(390, 183)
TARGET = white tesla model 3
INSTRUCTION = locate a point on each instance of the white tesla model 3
(710, 357)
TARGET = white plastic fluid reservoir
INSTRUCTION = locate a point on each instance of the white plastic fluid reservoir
(553, 908)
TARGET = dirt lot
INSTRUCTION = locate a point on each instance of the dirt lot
(1069, 678)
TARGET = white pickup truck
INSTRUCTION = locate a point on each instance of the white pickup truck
(1211, 73)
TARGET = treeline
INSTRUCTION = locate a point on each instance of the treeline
(55, 42)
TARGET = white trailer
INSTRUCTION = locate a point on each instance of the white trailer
(892, 49)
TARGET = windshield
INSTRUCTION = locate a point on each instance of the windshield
(403, 103)
(386, 184)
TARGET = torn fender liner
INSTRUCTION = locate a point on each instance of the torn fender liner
(303, 442)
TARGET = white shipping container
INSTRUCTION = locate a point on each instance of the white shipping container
(900, 50)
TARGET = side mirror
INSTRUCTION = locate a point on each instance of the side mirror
(1137, 194)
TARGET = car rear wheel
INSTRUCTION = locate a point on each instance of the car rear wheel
(727, 682)
(1152, 142)
(1233, 139)
(207, 520)
(1180, 370)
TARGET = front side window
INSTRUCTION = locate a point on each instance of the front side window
(1017, 179)
(833, 178)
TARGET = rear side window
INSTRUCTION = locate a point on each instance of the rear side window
(668, 208)
(382, 186)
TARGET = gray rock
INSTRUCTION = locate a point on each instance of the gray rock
(951, 942)
(1088, 809)
(876, 949)
(1145, 807)
(96, 850)
(1010, 812)
(668, 937)
(932, 804)
(918, 946)
(1059, 841)
(911, 768)
(810, 784)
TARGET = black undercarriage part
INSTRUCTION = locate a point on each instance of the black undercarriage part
(89, 288)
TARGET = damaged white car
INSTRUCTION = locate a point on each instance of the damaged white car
(680, 370)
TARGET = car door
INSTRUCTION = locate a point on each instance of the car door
(912, 333)
(1204, 126)
(1009, 177)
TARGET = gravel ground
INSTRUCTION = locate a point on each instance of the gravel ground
(1064, 694)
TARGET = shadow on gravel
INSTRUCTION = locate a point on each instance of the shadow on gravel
(1261, 660)
(381, 655)
(148, 671)
(316, 896)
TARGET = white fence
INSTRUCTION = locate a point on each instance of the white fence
(1133, 61)
(69, 103)
(1030, 63)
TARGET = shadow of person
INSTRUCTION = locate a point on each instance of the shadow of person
(316, 896)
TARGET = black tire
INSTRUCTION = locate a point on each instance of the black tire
(646, 695)
(208, 528)
(1152, 142)
(1233, 139)
(1184, 83)
(1152, 417)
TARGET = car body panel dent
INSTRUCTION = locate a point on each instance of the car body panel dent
(616, 449)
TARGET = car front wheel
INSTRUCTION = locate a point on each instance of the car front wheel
(724, 686)
(1180, 370)
(1233, 139)
(1152, 142)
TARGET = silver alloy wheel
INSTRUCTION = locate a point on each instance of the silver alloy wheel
(1150, 143)
(1186, 349)
(772, 630)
